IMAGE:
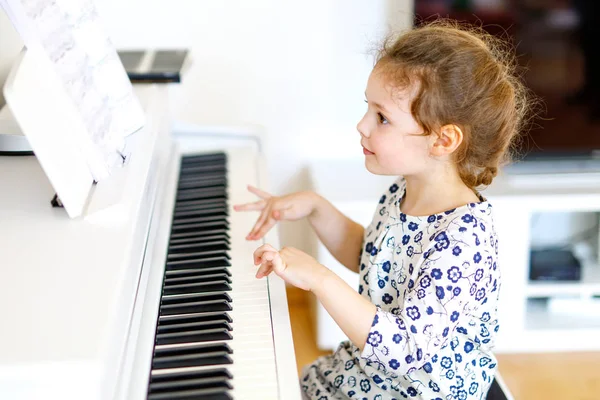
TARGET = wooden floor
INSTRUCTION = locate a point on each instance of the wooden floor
(560, 376)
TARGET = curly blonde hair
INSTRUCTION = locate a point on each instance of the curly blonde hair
(464, 77)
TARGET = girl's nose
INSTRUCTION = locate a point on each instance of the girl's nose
(362, 127)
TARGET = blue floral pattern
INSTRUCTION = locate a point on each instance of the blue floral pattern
(435, 281)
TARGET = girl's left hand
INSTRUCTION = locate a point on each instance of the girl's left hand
(292, 265)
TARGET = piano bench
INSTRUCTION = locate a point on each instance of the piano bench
(498, 391)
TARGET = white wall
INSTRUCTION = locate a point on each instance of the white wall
(298, 68)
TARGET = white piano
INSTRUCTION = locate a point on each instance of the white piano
(151, 298)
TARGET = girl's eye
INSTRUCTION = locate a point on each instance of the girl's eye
(381, 118)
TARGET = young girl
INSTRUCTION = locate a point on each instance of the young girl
(443, 108)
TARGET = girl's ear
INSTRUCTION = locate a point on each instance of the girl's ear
(448, 139)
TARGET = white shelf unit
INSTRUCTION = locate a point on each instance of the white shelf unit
(531, 315)
(527, 323)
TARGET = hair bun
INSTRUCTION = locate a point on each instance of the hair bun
(486, 176)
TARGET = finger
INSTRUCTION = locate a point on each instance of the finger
(266, 266)
(260, 193)
(277, 263)
(258, 253)
(264, 215)
(255, 206)
(264, 270)
(262, 231)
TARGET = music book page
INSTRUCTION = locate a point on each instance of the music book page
(70, 34)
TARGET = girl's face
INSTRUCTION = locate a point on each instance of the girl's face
(390, 136)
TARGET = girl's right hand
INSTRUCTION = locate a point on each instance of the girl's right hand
(290, 207)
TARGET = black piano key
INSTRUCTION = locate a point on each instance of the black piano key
(176, 237)
(198, 276)
(187, 161)
(194, 336)
(194, 297)
(205, 176)
(216, 211)
(179, 324)
(219, 155)
(189, 166)
(216, 179)
(195, 183)
(199, 219)
(195, 307)
(196, 355)
(203, 394)
(180, 382)
(202, 253)
(217, 285)
(202, 193)
(201, 216)
(215, 175)
(183, 228)
(191, 205)
(192, 255)
(203, 317)
(192, 240)
(199, 169)
(174, 273)
(202, 188)
(205, 377)
(199, 246)
(205, 262)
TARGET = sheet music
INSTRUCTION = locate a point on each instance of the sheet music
(71, 35)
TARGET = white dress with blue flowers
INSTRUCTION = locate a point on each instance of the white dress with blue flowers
(435, 283)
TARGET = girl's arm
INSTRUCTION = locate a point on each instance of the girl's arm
(340, 235)
(352, 312)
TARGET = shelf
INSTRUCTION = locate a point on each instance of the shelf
(542, 315)
(588, 286)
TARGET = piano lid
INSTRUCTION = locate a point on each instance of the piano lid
(68, 285)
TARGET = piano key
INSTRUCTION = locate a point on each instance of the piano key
(198, 235)
(204, 394)
(191, 355)
(196, 254)
(165, 319)
(195, 307)
(211, 244)
(218, 285)
(191, 169)
(218, 177)
(170, 280)
(186, 384)
(183, 228)
(216, 332)
(221, 210)
(197, 219)
(195, 321)
(191, 240)
(212, 157)
(199, 262)
(201, 194)
(194, 183)
(203, 191)
(196, 271)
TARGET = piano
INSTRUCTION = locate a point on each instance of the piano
(151, 294)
